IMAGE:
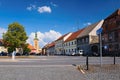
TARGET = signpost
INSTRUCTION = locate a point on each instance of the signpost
(99, 31)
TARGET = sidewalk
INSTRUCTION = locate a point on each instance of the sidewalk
(96, 72)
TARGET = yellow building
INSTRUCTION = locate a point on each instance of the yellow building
(36, 44)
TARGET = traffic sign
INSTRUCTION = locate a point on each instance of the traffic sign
(99, 31)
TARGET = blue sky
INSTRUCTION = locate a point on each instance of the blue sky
(61, 16)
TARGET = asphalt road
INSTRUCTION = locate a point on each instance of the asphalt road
(58, 60)
(56, 68)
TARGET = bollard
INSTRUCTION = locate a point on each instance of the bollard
(87, 62)
(114, 58)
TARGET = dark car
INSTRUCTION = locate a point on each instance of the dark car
(3, 54)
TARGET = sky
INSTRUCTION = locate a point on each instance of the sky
(53, 18)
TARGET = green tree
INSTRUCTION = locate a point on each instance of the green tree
(26, 50)
(15, 37)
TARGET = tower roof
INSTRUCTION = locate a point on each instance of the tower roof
(35, 37)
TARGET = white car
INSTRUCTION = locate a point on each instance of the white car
(73, 53)
(79, 53)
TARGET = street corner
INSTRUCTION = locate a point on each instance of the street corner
(106, 68)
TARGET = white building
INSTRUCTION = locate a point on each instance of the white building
(2, 48)
(70, 44)
(59, 44)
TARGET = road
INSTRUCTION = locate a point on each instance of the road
(55, 68)
(58, 60)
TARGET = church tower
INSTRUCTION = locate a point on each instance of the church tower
(36, 43)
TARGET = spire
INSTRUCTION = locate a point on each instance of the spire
(36, 36)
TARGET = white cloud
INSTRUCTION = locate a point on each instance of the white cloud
(44, 38)
(2, 30)
(31, 7)
(53, 4)
(88, 23)
(44, 9)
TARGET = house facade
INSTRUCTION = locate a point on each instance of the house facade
(33, 50)
(88, 39)
(51, 49)
(59, 44)
(111, 33)
(70, 44)
(2, 48)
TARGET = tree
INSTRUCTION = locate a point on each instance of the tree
(26, 50)
(15, 37)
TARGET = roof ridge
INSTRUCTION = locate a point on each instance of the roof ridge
(116, 12)
(74, 35)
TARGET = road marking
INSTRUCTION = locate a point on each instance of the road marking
(8, 60)
(35, 65)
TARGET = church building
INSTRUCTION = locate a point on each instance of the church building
(36, 44)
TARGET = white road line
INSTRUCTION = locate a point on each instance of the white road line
(35, 66)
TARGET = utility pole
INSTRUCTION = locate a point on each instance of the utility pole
(100, 50)
(99, 33)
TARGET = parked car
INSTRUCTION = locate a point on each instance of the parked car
(32, 53)
(78, 53)
(17, 54)
(3, 54)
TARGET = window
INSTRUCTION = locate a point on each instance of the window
(72, 43)
(72, 49)
(69, 50)
(116, 46)
(118, 23)
(110, 36)
(75, 49)
(86, 39)
(116, 36)
(75, 42)
(83, 40)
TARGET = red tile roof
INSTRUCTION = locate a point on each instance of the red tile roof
(62, 37)
(31, 47)
(51, 44)
(74, 35)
